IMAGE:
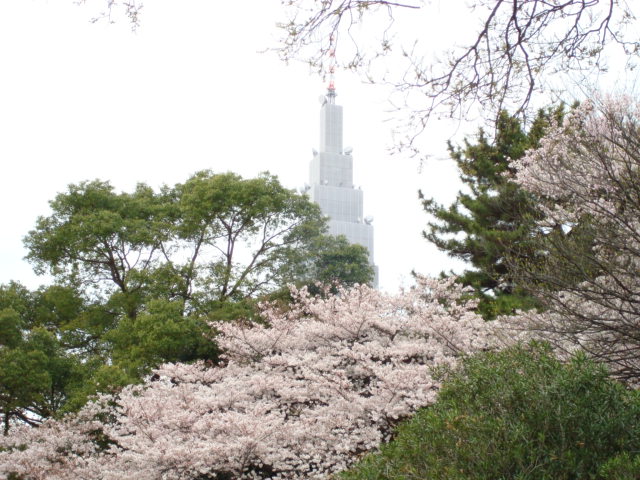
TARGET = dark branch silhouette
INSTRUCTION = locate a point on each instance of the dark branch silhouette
(519, 44)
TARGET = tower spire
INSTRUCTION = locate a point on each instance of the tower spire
(331, 89)
(331, 93)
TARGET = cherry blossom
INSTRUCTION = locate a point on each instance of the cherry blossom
(586, 174)
(302, 396)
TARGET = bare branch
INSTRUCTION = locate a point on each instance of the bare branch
(113, 9)
(519, 44)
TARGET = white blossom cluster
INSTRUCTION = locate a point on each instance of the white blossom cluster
(586, 163)
(586, 173)
(300, 397)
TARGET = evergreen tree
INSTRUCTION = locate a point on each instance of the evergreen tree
(493, 216)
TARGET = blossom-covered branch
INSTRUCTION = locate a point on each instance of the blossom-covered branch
(587, 176)
(301, 397)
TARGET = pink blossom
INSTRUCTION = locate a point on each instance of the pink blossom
(303, 397)
(586, 172)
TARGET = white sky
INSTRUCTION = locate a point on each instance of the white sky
(192, 89)
(189, 90)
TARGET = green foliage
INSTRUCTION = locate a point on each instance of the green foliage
(65, 371)
(273, 227)
(51, 347)
(37, 373)
(100, 378)
(23, 382)
(212, 239)
(140, 275)
(160, 334)
(621, 467)
(96, 234)
(494, 215)
(10, 328)
(336, 260)
(518, 414)
(16, 297)
(55, 306)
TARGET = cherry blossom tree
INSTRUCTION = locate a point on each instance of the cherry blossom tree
(586, 174)
(302, 396)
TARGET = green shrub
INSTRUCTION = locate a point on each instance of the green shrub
(517, 414)
(621, 467)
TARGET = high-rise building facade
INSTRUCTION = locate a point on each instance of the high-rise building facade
(331, 181)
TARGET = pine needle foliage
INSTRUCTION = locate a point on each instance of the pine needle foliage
(492, 215)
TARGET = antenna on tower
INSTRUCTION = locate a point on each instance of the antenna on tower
(332, 69)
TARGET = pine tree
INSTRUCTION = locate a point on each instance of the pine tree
(492, 216)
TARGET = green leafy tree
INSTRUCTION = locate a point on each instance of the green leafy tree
(56, 325)
(337, 260)
(37, 373)
(23, 382)
(140, 275)
(215, 238)
(11, 326)
(492, 216)
(159, 334)
(330, 262)
(102, 240)
(517, 414)
(244, 237)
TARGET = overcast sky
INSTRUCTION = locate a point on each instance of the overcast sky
(193, 89)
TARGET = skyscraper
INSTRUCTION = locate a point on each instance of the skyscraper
(331, 181)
